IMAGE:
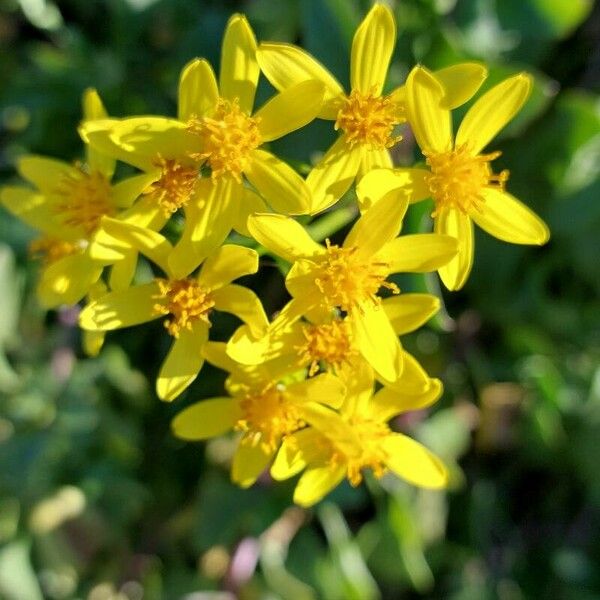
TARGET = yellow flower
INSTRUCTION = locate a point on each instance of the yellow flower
(187, 301)
(260, 406)
(66, 206)
(366, 118)
(342, 445)
(349, 277)
(217, 131)
(460, 178)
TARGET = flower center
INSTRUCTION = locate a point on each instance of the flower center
(267, 417)
(85, 199)
(49, 250)
(458, 178)
(185, 300)
(328, 342)
(346, 279)
(175, 186)
(228, 138)
(369, 119)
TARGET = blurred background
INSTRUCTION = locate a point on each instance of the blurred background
(99, 501)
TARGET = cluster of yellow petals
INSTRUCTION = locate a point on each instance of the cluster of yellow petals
(175, 186)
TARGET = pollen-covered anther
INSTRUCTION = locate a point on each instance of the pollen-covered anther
(175, 186)
(267, 416)
(459, 177)
(49, 250)
(347, 279)
(330, 343)
(84, 198)
(185, 300)
(369, 119)
(228, 137)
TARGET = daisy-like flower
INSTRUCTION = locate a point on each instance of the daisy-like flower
(460, 179)
(185, 300)
(366, 118)
(348, 277)
(67, 205)
(260, 406)
(342, 445)
(218, 131)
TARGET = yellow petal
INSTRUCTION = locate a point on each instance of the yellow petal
(508, 219)
(376, 340)
(325, 389)
(216, 354)
(248, 202)
(248, 463)
(407, 183)
(374, 158)
(122, 308)
(278, 183)
(183, 362)
(493, 111)
(378, 226)
(126, 192)
(145, 213)
(458, 225)
(285, 65)
(67, 280)
(389, 402)
(289, 110)
(244, 304)
(123, 271)
(408, 312)
(295, 452)
(92, 342)
(414, 379)
(420, 252)
(359, 378)
(316, 482)
(239, 68)
(245, 348)
(283, 236)
(429, 119)
(206, 419)
(198, 93)
(228, 263)
(209, 217)
(300, 282)
(413, 462)
(372, 50)
(460, 82)
(46, 174)
(333, 175)
(93, 109)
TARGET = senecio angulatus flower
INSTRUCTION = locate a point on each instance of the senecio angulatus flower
(312, 390)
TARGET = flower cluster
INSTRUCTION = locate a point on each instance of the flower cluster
(312, 390)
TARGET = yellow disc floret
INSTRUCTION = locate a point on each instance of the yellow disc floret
(458, 178)
(175, 186)
(49, 250)
(185, 300)
(228, 137)
(369, 119)
(83, 199)
(346, 278)
(267, 417)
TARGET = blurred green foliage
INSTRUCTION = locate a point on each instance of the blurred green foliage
(99, 501)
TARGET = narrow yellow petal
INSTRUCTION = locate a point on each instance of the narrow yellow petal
(198, 93)
(316, 482)
(283, 236)
(248, 203)
(92, 341)
(289, 110)
(120, 309)
(248, 463)
(183, 362)
(244, 304)
(228, 263)
(508, 219)
(325, 389)
(458, 225)
(292, 457)
(372, 50)
(47, 174)
(413, 462)
(123, 271)
(333, 175)
(429, 119)
(408, 312)
(278, 183)
(493, 111)
(409, 183)
(206, 419)
(93, 109)
(394, 400)
(376, 340)
(300, 283)
(239, 69)
(245, 348)
(285, 65)
(374, 158)
(460, 82)
(420, 252)
(126, 192)
(414, 379)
